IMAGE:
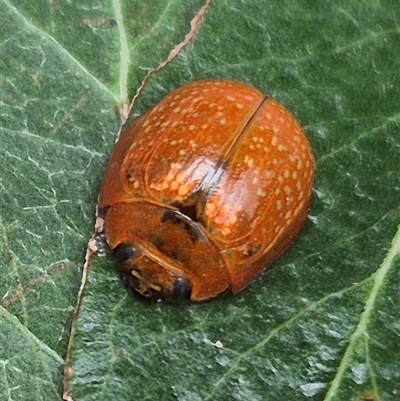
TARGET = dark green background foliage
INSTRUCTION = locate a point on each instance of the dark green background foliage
(322, 324)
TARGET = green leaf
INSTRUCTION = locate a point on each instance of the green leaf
(322, 324)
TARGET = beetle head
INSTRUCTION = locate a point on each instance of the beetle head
(148, 277)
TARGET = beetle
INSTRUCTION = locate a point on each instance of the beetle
(205, 190)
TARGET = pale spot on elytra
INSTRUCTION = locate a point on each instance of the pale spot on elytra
(261, 193)
(299, 164)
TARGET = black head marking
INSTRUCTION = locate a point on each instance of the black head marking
(124, 252)
(181, 288)
(190, 211)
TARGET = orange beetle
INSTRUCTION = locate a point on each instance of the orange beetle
(205, 190)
